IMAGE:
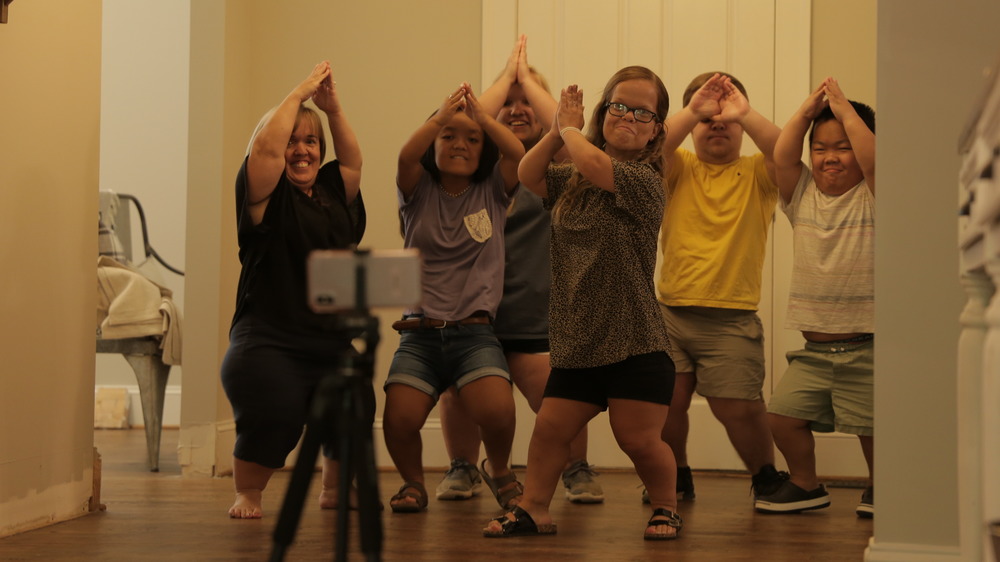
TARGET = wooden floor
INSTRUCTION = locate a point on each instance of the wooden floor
(162, 516)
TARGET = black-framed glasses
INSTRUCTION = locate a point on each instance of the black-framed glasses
(621, 110)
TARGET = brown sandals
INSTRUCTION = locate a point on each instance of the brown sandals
(416, 491)
(506, 489)
(663, 516)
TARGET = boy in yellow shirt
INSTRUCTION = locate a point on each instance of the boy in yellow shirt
(713, 239)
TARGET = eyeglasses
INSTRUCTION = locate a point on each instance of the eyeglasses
(621, 110)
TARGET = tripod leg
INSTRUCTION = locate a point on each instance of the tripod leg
(369, 515)
(298, 486)
(346, 473)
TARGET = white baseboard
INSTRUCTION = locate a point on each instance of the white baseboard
(837, 455)
(908, 552)
(171, 405)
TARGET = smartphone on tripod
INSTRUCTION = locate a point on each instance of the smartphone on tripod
(393, 279)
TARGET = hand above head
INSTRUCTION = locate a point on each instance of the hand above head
(451, 105)
(705, 103)
(510, 71)
(733, 104)
(569, 113)
(311, 84)
(325, 96)
(523, 68)
(815, 103)
(472, 106)
(836, 99)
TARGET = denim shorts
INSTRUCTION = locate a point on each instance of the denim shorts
(831, 385)
(433, 359)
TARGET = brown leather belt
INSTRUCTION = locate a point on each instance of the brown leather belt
(425, 323)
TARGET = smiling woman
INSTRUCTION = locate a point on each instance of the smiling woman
(287, 205)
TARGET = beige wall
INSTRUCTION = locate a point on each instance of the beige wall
(50, 108)
(844, 38)
(931, 58)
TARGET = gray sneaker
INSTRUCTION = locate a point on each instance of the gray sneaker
(581, 483)
(461, 482)
(866, 508)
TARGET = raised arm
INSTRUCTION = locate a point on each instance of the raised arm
(345, 142)
(518, 71)
(532, 169)
(266, 162)
(592, 162)
(861, 137)
(735, 107)
(540, 99)
(788, 149)
(511, 149)
(492, 98)
(408, 167)
(704, 104)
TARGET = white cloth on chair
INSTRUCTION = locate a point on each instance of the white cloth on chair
(129, 305)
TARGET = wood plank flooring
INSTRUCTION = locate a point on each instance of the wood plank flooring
(162, 516)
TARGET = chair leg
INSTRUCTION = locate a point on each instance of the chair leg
(152, 374)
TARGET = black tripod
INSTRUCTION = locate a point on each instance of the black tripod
(339, 402)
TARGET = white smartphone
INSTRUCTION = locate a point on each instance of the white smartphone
(392, 279)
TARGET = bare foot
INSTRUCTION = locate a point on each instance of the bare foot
(247, 505)
(328, 498)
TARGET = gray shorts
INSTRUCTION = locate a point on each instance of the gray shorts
(830, 384)
(723, 347)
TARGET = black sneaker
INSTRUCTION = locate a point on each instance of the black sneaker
(866, 508)
(791, 499)
(685, 483)
(767, 481)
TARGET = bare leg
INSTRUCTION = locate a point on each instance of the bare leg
(796, 443)
(868, 449)
(461, 435)
(558, 421)
(746, 423)
(250, 480)
(530, 372)
(491, 404)
(675, 431)
(406, 410)
(636, 427)
(329, 495)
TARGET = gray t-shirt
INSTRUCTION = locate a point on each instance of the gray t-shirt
(524, 308)
(603, 307)
(461, 243)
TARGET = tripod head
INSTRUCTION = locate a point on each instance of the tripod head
(349, 281)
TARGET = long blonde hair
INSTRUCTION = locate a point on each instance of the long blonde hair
(652, 153)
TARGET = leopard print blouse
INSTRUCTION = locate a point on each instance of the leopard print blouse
(603, 307)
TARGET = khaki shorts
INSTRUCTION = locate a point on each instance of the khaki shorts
(831, 385)
(723, 347)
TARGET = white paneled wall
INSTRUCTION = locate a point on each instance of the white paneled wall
(585, 41)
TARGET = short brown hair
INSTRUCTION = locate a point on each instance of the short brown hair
(700, 80)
